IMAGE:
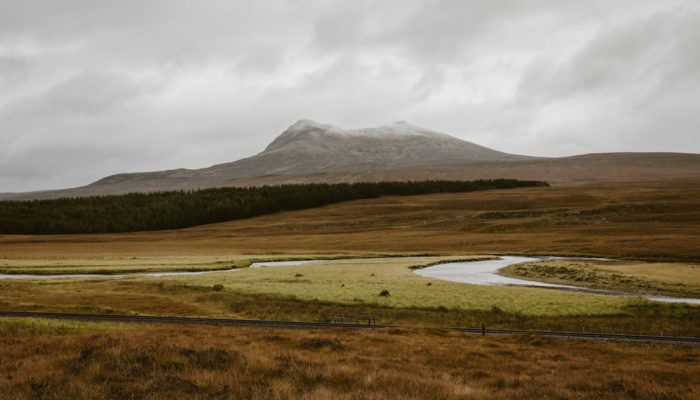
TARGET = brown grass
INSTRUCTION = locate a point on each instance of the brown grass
(658, 220)
(655, 221)
(203, 362)
(669, 279)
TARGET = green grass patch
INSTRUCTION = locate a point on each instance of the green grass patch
(361, 281)
(40, 326)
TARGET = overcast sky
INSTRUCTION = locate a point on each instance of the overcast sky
(92, 88)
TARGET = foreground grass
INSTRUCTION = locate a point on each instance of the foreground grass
(206, 362)
(674, 279)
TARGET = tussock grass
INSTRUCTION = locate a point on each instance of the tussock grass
(208, 362)
(673, 279)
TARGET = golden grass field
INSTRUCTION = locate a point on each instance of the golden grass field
(658, 222)
(655, 221)
(208, 362)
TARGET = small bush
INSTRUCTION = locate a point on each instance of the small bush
(218, 287)
(384, 293)
(320, 343)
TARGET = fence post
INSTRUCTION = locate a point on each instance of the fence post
(483, 329)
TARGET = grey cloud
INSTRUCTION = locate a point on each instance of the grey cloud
(630, 88)
(87, 93)
(93, 88)
(640, 52)
(12, 64)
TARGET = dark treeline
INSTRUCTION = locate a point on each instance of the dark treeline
(180, 209)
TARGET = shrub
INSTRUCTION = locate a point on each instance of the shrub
(384, 293)
(218, 287)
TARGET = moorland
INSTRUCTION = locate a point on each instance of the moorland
(657, 222)
(115, 362)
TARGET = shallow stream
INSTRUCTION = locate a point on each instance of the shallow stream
(472, 272)
(487, 273)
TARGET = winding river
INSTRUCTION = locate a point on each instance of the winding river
(472, 272)
(486, 273)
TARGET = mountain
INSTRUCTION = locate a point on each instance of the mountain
(309, 147)
(308, 151)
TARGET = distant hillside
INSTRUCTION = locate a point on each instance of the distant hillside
(311, 152)
(181, 209)
(564, 171)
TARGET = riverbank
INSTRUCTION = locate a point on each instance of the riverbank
(653, 279)
(495, 273)
(316, 291)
